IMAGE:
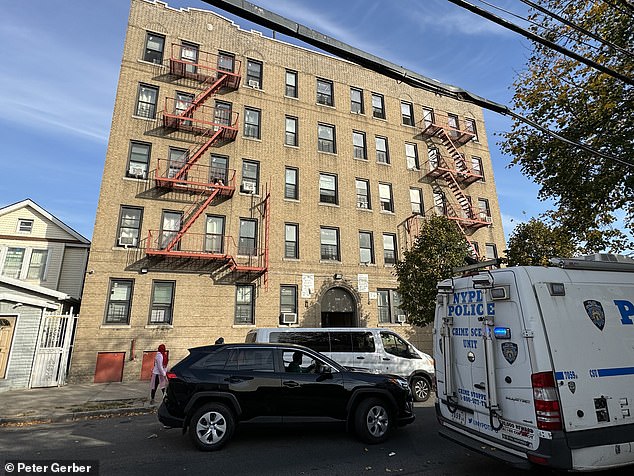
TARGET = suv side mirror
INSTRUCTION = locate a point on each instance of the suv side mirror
(324, 369)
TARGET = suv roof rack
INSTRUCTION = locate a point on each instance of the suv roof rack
(479, 265)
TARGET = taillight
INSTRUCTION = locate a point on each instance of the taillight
(170, 375)
(546, 400)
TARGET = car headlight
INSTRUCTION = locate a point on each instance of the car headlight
(400, 382)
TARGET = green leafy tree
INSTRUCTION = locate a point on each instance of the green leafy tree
(584, 105)
(439, 247)
(534, 243)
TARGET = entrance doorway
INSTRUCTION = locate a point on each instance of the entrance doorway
(338, 309)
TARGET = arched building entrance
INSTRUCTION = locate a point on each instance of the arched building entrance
(339, 308)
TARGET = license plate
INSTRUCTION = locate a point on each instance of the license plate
(459, 417)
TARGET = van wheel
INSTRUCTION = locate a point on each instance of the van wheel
(372, 421)
(211, 427)
(421, 389)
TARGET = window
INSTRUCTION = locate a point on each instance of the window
(411, 156)
(328, 189)
(476, 247)
(189, 54)
(470, 126)
(219, 171)
(366, 247)
(388, 304)
(382, 153)
(170, 226)
(434, 155)
(394, 345)
(13, 262)
(37, 265)
(476, 167)
(245, 304)
(226, 61)
(248, 237)
(146, 101)
(324, 92)
(416, 200)
(254, 73)
(291, 236)
(288, 298)
(162, 302)
(452, 122)
(326, 138)
(214, 234)
(154, 47)
(250, 177)
(378, 106)
(291, 83)
(129, 226)
(138, 159)
(428, 116)
(329, 244)
(407, 113)
(440, 203)
(177, 159)
(491, 251)
(25, 225)
(252, 123)
(358, 144)
(363, 194)
(182, 101)
(223, 114)
(291, 131)
(291, 189)
(119, 301)
(484, 210)
(389, 249)
(385, 197)
(356, 101)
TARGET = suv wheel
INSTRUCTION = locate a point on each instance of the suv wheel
(211, 427)
(372, 421)
(421, 389)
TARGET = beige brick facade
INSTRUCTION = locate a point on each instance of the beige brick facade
(204, 300)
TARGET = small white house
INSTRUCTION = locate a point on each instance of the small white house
(42, 270)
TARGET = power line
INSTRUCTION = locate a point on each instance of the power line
(542, 41)
(576, 27)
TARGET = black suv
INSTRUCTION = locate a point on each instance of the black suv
(217, 386)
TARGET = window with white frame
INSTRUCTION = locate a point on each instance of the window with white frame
(154, 47)
(119, 301)
(363, 194)
(138, 159)
(146, 101)
(356, 101)
(250, 177)
(491, 251)
(291, 188)
(407, 113)
(411, 156)
(247, 240)
(252, 123)
(254, 73)
(245, 304)
(214, 234)
(24, 263)
(291, 240)
(326, 138)
(290, 137)
(329, 241)
(366, 247)
(162, 308)
(25, 225)
(37, 265)
(416, 200)
(328, 189)
(358, 144)
(389, 249)
(385, 197)
(291, 83)
(325, 92)
(378, 106)
(382, 152)
(129, 226)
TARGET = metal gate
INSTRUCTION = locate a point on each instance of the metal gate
(53, 350)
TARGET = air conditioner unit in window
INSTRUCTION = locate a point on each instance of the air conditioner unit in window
(289, 318)
(247, 187)
(127, 241)
(254, 83)
(136, 171)
(401, 318)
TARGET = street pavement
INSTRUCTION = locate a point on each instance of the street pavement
(75, 402)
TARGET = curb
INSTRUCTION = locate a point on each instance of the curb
(74, 416)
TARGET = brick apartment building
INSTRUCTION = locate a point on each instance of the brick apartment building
(250, 182)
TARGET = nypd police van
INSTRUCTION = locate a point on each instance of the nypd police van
(535, 365)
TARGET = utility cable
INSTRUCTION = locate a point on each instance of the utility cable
(549, 44)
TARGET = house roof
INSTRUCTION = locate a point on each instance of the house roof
(30, 203)
(34, 288)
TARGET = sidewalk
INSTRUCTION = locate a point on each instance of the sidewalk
(75, 402)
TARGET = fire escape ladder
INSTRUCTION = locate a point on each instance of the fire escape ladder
(461, 164)
(462, 199)
(199, 152)
(474, 251)
(192, 215)
(202, 97)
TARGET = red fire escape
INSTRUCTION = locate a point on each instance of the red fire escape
(208, 126)
(450, 168)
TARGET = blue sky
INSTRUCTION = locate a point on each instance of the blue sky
(60, 66)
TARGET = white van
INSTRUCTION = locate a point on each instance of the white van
(378, 350)
(535, 365)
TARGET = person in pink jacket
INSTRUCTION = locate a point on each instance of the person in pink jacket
(159, 379)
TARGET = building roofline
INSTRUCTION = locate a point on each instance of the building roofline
(35, 288)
